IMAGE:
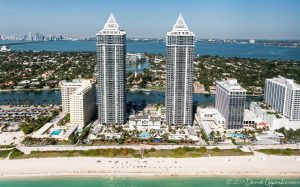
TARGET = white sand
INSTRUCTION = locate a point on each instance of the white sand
(255, 166)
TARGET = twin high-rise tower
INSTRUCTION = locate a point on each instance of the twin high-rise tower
(111, 57)
(111, 62)
(179, 59)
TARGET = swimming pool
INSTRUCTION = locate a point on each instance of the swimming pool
(238, 135)
(144, 135)
(56, 132)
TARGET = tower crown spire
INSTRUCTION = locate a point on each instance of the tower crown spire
(111, 23)
(180, 24)
(111, 27)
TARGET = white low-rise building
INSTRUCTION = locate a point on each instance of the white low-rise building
(210, 120)
(183, 137)
(206, 128)
(70, 131)
(268, 138)
(178, 137)
(274, 119)
(187, 133)
(250, 118)
(210, 114)
(144, 122)
(101, 132)
(106, 136)
(41, 133)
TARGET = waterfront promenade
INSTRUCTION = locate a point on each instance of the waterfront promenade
(27, 150)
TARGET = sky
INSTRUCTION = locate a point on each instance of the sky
(231, 19)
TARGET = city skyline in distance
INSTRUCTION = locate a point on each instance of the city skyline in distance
(208, 19)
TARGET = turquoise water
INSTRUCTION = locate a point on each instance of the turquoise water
(56, 132)
(144, 135)
(238, 135)
(158, 182)
(227, 50)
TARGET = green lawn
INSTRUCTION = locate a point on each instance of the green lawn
(4, 153)
(6, 146)
(120, 153)
(282, 152)
(184, 152)
(15, 154)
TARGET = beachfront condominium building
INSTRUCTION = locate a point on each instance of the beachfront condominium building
(179, 59)
(111, 62)
(230, 102)
(67, 88)
(82, 105)
(283, 95)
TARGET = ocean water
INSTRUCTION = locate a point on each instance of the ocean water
(147, 182)
(158, 47)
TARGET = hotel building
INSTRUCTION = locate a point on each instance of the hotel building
(82, 105)
(230, 102)
(284, 96)
(67, 88)
(179, 64)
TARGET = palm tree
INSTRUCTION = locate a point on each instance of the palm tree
(212, 135)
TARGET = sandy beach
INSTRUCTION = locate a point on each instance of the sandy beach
(237, 166)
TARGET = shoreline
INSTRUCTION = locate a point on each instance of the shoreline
(32, 90)
(257, 166)
(137, 176)
(130, 90)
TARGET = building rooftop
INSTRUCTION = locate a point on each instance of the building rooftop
(285, 82)
(42, 130)
(70, 131)
(206, 127)
(206, 110)
(75, 82)
(83, 89)
(249, 116)
(231, 85)
(142, 117)
(202, 111)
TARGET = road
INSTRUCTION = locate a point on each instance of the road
(27, 150)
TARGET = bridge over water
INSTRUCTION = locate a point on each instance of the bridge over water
(22, 43)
